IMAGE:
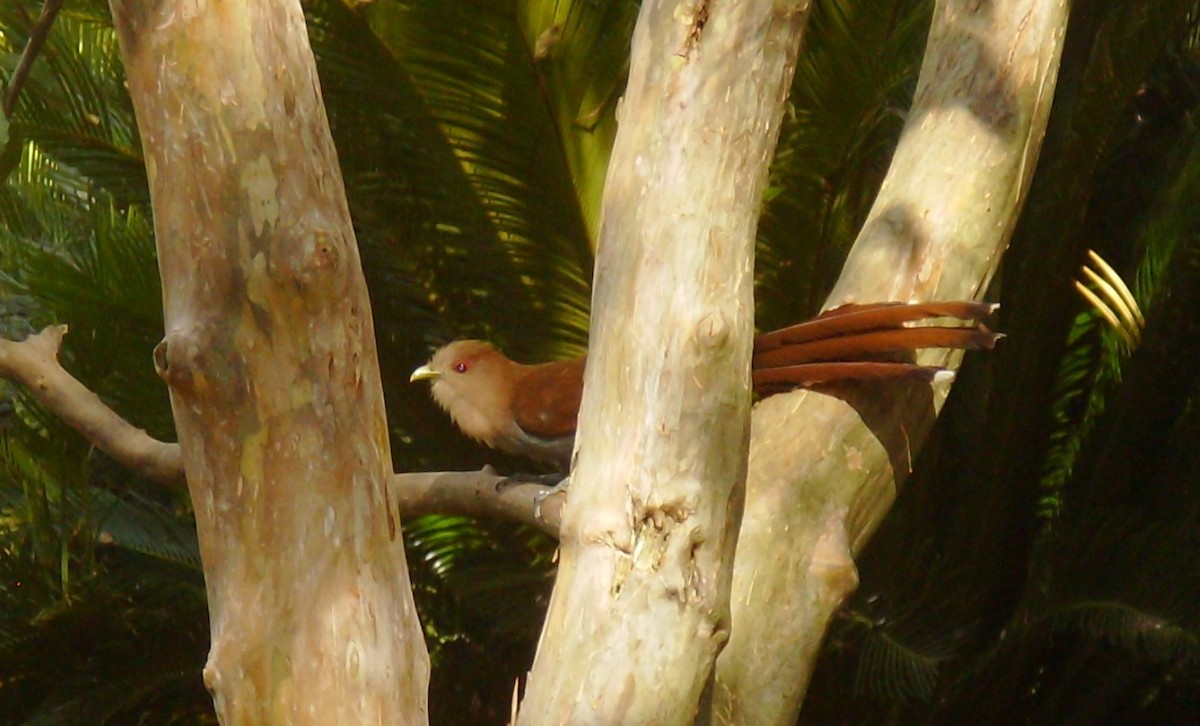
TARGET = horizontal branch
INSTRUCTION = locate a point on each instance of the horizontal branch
(33, 363)
(477, 494)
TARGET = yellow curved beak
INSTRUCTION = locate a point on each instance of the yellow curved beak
(424, 373)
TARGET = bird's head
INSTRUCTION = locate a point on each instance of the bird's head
(473, 382)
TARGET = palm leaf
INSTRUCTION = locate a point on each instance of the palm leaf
(857, 70)
(514, 237)
(76, 110)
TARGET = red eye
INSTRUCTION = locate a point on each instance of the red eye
(460, 367)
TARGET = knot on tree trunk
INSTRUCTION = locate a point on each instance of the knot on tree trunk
(316, 263)
(192, 362)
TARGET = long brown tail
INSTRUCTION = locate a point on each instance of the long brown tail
(864, 342)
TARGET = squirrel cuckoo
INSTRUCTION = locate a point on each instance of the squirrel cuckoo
(530, 410)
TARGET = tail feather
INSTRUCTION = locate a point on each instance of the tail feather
(875, 344)
(805, 375)
(866, 342)
(855, 318)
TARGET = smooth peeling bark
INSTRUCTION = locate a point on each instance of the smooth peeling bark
(820, 481)
(640, 608)
(270, 358)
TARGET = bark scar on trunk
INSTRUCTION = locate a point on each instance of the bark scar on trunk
(696, 21)
(667, 542)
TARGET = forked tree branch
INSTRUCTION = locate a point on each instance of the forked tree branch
(820, 480)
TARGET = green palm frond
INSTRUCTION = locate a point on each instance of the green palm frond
(94, 267)
(91, 629)
(895, 666)
(166, 694)
(494, 575)
(465, 175)
(45, 526)
(75, 109)
(1092, 112)
(1075, 195)
(909, 627)
(443, 541)
(1150, 635)
(1115, 579)
(406, 188)
(505, 225)
(100, 623)
(1096, 358)
(1079, 401)
(482, 590)
(117, 656)
(857, 70)
(136, 523)
(580, 52)
(1112, 603)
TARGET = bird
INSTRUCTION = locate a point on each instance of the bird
(531, 410)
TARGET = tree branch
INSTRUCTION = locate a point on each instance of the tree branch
(33, 363)
(477, 494)
(820, 481)
(37, 38)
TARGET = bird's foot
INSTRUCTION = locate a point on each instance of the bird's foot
(552, 483)
(544, 480)
(538, 499)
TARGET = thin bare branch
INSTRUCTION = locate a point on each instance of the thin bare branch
(33, 46)
(34, 364)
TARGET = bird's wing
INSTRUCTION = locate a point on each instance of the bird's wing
(546, 400)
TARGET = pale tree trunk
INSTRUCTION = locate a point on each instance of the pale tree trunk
(641, 607)
(270, 357)
(820, 482)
